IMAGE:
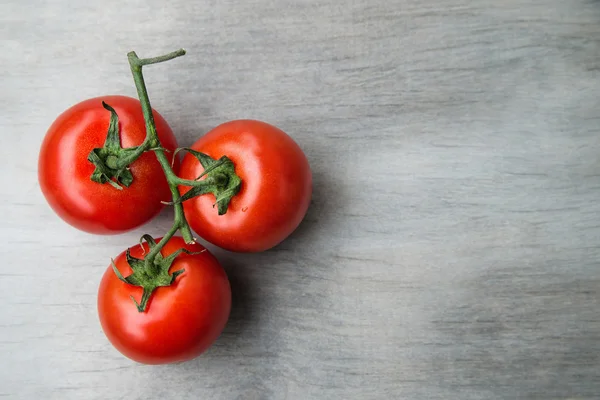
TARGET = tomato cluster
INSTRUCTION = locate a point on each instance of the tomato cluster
(171, 303)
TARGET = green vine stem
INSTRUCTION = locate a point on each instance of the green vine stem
(152, 141)
(112, 167)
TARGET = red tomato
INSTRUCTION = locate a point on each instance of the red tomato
(180, 321)
(275, 192)
(64, 171)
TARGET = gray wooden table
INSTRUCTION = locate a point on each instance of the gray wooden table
(451, 249)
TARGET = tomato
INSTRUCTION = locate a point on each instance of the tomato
(275, 192)
(64, 171)
(180, 321)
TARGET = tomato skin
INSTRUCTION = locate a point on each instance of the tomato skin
(180, 322)
(275, 192)
(64, 171)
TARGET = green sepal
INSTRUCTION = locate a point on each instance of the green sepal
(195, 191)
(149, 239)
(177, 273)
(116, 271)
(141, 306)
(207, 162)
(111, 154)
(221, 180)
(150, 276)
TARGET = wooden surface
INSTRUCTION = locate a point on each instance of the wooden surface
(451, 249)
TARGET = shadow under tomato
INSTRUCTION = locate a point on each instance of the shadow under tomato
(327, 199)
(254, 278)
(243, 297)
(244, 302)
(237, 337)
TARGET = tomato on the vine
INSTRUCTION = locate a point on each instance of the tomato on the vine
(180, 321)
(275, 191)
(64, 170)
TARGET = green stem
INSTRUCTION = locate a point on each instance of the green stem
(180, 221)
(159, 59)
(135, 63)
(152, 141)
(221, 180)
(149, 259)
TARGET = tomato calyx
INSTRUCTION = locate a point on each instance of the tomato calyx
(150, 273)
(221, 180)
(112, 161)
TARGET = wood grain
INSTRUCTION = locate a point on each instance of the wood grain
(451, 249)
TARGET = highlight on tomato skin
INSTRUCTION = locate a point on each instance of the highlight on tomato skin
(64, 171)
(275, 192)
(181, 321)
